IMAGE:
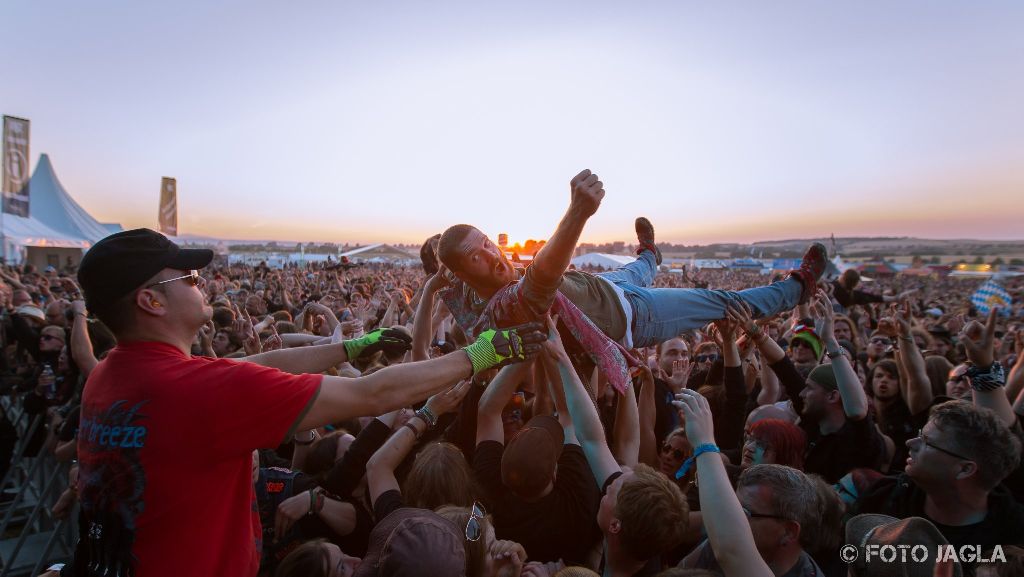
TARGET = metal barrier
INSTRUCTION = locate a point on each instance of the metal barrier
(40, 480)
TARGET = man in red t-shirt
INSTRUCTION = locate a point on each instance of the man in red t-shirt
(166, 440)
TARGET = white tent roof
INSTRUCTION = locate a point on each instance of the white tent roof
(51, 205)
(379, 247)
(602, 259)
(30, 232)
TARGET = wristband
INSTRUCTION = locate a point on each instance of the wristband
(312, 503)
(427, 417)
(700, 450)
(415, 432)
(988, 380)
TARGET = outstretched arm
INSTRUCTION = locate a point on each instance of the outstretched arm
(585, 419)
(648, 415)
(855, 401)
(81, 345)
(977, 340)
(916, 387)
(401, 385)
(727, 526)
(553, 259)
(422, 328)
(493, 401)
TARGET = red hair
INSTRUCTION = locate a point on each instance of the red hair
(787, 440)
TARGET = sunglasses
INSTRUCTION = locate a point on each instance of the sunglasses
(751, 515)
(881, 341)
(707, 358)
(474, 530)
(51, 338)
(927, 443)
(676, 453)
(192, 277)
(801, 343)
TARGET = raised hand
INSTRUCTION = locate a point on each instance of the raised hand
(700, 426)
(977, 340)
(726, 329)
(448, 401)
(823, 310)
(587, 193)
(904, 317)
(739, 313)
(206, 333)
(391, 341)
(500, 347)
(273, 342)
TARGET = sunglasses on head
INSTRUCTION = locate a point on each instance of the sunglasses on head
(676, 453)
(192, 278)
(709, 358)
(474, 530)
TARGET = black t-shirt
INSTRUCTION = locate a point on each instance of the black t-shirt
(901, 426)
(561, 525)
(856, 444)
(666, 417)
(387, 503)
(898, 496)
(849, 298)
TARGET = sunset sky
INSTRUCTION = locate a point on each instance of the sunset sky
(389, 121)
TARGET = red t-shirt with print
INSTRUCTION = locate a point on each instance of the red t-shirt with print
(165, 460)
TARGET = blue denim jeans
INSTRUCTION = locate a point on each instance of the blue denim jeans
(660, 314)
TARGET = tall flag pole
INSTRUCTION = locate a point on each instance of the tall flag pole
(16, 176)
(169, 206)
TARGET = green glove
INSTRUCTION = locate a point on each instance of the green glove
(391, 341)
(500, 347)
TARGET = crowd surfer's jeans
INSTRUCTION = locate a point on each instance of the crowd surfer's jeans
(660, 314)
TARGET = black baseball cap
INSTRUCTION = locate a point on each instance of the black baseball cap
(122, 262)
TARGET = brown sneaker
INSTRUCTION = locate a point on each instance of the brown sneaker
(645, 234)
(811, 269)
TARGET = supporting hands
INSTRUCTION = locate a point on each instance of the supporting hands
(739, 313)
(447, 401)
(391, 341)
(500, 347)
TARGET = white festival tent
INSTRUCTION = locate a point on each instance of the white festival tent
(608, 261)
(57, 229)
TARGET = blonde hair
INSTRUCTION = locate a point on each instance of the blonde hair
(653, 512)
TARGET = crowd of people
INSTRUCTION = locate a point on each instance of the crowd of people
(380, 432)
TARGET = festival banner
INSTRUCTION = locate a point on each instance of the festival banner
(991, 294)
(169, 206)
(16, 175)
